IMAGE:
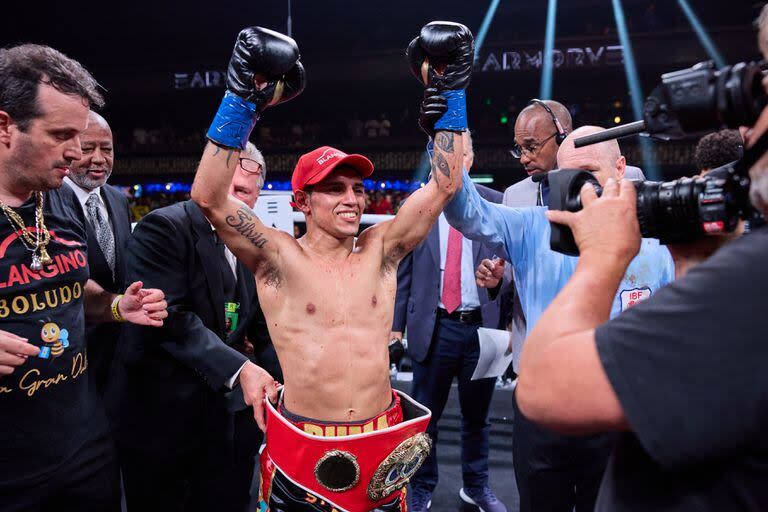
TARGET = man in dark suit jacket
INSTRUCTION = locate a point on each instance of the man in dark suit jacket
(186, 439)
(103, 210)
(443, 344)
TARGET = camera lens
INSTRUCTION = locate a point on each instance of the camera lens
(740, 94)
(682, 210)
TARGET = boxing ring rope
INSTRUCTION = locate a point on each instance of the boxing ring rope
(366, 218)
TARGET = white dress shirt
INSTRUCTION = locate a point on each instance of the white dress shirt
(469, 296)
(83, 195)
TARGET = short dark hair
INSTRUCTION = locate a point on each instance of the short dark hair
(25, 66)
(717, 149)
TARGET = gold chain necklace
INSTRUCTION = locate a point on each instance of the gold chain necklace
(35, 243)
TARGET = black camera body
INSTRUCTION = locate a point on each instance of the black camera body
(674, 211)
(703, 98)
(687, 102)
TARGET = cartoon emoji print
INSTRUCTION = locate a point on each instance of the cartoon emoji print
(55, 339)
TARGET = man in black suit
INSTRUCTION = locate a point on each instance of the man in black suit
(103, 210)
(186, 439)
(439, 301)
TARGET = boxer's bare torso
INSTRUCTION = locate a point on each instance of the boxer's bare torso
(328, 298)
(329, 317)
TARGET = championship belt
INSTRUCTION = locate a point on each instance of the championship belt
(354, 473)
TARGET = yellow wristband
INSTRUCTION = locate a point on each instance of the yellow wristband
(115, 312)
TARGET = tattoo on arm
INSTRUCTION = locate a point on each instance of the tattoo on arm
(230, 152)
(244, 224)
(442, 164)
(444, 141)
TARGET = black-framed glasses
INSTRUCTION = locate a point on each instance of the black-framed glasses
(250, 166)
(530, 148)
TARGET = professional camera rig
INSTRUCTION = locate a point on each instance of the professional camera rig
(686, 103)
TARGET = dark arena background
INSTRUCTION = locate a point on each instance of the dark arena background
(162, 65)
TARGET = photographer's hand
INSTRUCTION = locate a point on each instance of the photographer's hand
(607, 226)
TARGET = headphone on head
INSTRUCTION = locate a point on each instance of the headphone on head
(561, 133)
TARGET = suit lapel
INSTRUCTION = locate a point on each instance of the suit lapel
(116, 219)
(209, 257)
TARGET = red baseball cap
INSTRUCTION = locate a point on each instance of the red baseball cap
(314, 166)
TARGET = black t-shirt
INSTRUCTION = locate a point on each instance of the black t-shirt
(690, 368)
(49, 406)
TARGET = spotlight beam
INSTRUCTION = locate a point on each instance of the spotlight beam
(545, 91)
(706, 41)
(630, 69)
(484, 26)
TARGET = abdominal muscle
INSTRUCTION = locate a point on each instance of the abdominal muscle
(336, 375)
(331, 335)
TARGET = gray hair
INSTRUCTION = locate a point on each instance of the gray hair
(252, 152)
(468, 141)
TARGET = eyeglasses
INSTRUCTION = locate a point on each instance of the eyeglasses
(250, 166)
(530, 148)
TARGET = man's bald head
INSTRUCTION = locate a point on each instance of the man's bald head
(535, 129)
(604, 159)
(97, 120)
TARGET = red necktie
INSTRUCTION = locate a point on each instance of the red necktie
(452, 276)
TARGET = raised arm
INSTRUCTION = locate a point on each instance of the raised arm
(419, 213)
(441, 59)
(501, 228)
(238, 226)
(264, 70)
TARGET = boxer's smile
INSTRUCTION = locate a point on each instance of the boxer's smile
(348, 215)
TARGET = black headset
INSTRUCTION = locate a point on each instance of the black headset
(561, 133)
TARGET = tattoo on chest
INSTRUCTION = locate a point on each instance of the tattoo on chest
(243, 223)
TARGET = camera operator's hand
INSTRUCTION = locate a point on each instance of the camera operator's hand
(607, 226)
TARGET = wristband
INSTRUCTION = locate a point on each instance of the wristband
(233, 122)
(115, 312)
(455, 118)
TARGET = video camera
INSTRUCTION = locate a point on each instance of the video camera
(686, 103)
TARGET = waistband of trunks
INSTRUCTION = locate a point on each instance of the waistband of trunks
(393, 415)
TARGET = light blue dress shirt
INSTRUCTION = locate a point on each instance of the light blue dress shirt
(521, 236)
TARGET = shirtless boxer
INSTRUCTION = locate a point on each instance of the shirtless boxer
(328, 297)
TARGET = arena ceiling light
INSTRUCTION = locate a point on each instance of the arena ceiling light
(545, 91)
(484, 26)
(706, 41)
(635, 90)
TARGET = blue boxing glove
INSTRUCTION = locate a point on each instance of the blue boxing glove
(442, 57)
(263, 55)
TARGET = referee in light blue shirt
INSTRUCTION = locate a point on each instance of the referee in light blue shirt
(563, 473)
